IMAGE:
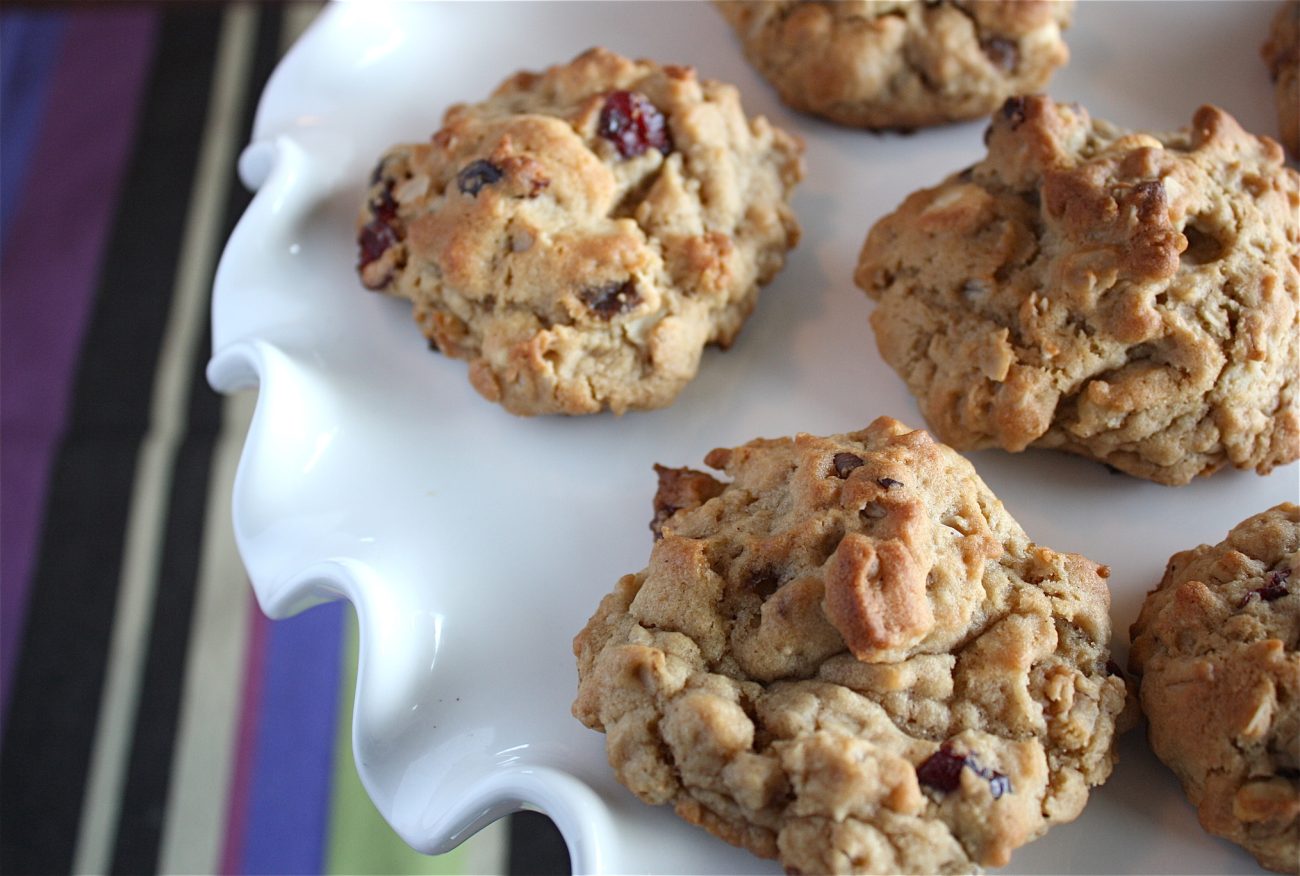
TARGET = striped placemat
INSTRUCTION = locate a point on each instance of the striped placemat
(151, 719)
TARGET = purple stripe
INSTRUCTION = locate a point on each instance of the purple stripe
(288, 813)
(49, 273)
(259, 630)
(29, 48)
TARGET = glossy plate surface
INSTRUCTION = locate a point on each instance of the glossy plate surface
(474, 544)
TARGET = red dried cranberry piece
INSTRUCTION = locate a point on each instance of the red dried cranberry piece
(381, 232)
(477, 174)
(384, 207)
(941, 770)
(633, 124)
(375, 240)
(611, 299)
(1274, 588)
(1271, 592)
(845, 463)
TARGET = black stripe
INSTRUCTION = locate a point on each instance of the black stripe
(536, 847)
(144, 795)
(60, 672)
(149, 771)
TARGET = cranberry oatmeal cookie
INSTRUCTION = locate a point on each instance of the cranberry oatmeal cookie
(1125, 296)
(1282, 54)
(874, 64)
(1216, 649)
(581, 235)
(850, 657)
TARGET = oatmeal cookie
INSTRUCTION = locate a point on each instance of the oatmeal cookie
(874, 64)
(581, 235)
(1125, 296)
(1216, 649)
(1282, 54)
(851, 658)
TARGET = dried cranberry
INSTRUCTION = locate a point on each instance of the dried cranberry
(611, 299)
(375, 240)
(384, 208)
(844, 463)
(477, 174)
(889, 483)
(633, 124)
(1002, 52)
(941, 770)
(381, 232)
(1274, 588)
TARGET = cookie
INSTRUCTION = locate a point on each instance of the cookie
(580, 236)
(901, 64)
(1216, 649)
(1130, 297)
(850, 657)
(1282, 55)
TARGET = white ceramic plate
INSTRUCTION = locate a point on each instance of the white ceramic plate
(475, 544)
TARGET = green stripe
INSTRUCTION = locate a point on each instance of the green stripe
(360, 842)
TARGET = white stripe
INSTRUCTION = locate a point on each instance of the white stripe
(207, 735)
(146, 519)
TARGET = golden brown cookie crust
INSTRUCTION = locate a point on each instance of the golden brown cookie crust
(1126, 296)
(851, 658)
(573, 273)
(1216, 648)
(874, 64)
(1282, 55)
